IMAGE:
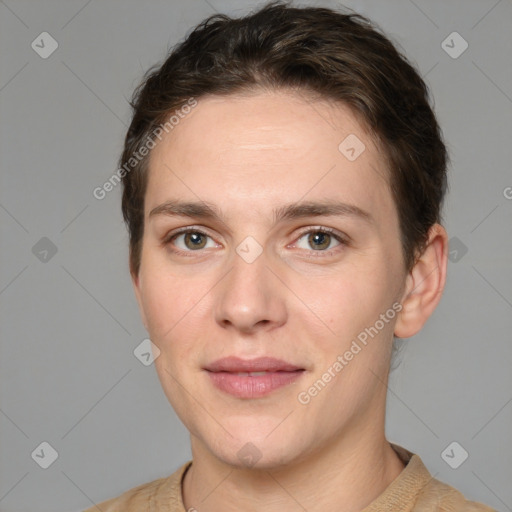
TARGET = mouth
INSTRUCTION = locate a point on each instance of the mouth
(234, 364)
(252, 378)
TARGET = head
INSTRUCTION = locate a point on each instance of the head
(298, 148)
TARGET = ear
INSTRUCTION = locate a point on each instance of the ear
(138, 296)
(424, 285)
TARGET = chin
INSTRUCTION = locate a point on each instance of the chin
(258, 451)
(251, 457)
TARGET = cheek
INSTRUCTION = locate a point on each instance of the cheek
(176, 309)
(167, 306)
(349, 300)
(161, 304)
(352, 307)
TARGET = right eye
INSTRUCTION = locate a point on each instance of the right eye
(188, 240)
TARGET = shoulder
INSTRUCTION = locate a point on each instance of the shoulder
(416, 490)
(132, 499)
(162, 494)
(438, 496)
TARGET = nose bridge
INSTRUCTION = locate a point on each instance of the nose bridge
(250, 295)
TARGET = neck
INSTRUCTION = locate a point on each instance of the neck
(353, 470)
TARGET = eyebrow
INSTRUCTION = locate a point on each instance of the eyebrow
(206, 210)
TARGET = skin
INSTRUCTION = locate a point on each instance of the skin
(248, 154)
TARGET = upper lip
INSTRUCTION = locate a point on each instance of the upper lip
(235, 364)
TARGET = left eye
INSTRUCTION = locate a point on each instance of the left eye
(319, 240)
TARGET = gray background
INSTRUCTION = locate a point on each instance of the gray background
(70, 323)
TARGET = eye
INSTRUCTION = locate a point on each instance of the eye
(190, 240)
(320, 240)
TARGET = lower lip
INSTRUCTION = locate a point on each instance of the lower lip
(252, 387)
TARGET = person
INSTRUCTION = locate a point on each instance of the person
(283, 180)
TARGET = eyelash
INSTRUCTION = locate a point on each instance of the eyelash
(342, 240)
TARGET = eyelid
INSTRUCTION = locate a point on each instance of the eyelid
(186, 229)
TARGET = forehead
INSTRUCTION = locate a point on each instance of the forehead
(258, 151)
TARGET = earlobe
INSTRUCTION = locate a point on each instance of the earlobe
(138, 296)
(424, 284)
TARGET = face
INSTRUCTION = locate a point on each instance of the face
(288, 260)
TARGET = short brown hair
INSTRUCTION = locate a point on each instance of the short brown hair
(337, 56)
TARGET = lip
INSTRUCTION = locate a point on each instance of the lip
(231, 375)
(234, 364)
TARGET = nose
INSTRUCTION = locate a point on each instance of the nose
(250, 298)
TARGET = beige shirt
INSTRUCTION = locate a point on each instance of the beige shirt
(414, 490)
